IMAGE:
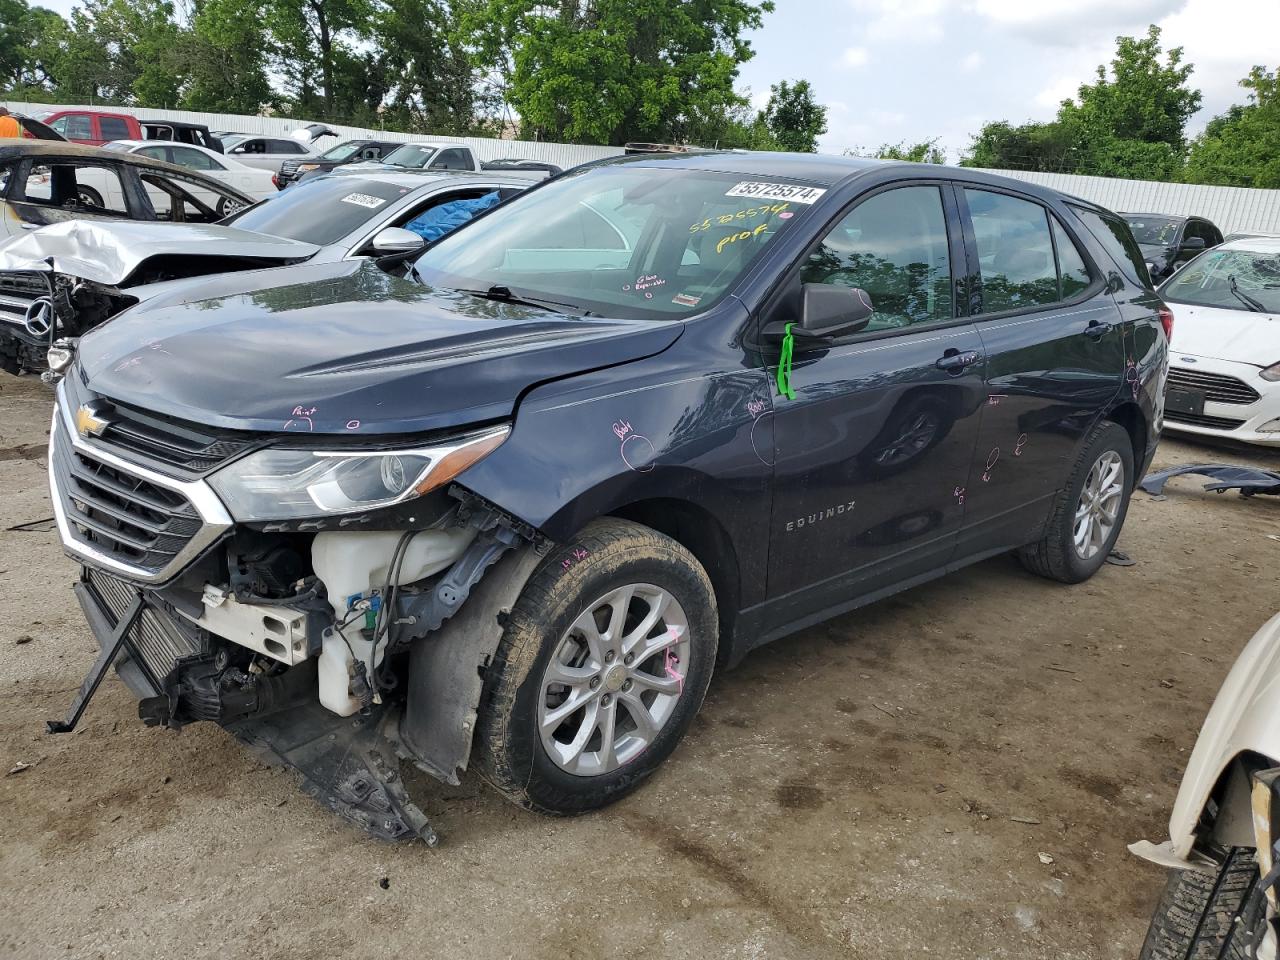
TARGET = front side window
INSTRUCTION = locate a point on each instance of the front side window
(1015, 251)
(622, 240)
(113, 128)
(1246, 280)
(893, 246)
(194, 159)
(76, 186)
(1117, 239)
(76, 126)
(155, 153)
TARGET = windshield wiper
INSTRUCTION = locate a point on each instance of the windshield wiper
(1243, 297)
(503, 294)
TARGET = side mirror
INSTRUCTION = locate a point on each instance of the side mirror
(829, 310)
(396, 240)
(1192, 245)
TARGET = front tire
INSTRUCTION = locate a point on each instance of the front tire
(602, 665)
(1089, 511)
(1205, 916)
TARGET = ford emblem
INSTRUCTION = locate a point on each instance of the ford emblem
(1187, 359)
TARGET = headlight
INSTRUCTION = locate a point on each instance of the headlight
(286, 484)
(1271, 373)
(308, 166)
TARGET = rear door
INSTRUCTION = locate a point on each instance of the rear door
(871, 458)
(1055, 350)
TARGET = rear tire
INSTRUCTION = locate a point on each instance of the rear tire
(1059, 555)
(624, 677)
(1202, 916)
(90, 197)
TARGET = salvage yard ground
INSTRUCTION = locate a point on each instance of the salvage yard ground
(954, 772)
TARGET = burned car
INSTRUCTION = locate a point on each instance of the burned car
(63, 280)
(510, 511)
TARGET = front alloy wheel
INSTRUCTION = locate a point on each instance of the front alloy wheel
(604, 660)
(614, 680)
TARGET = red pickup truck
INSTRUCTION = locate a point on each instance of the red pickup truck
(93, 127)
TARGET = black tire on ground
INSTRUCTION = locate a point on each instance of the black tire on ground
(90, 197)
(1055, 555)
(509, 750)
(1196, 918)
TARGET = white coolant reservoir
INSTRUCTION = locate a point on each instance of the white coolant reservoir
(355, 564)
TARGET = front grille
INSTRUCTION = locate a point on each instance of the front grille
(1202, 420)
(157, 639)
(191, 447)
(118, 515)
(1217, 387)
(17, 290)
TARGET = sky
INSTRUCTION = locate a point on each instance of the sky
(911, 70)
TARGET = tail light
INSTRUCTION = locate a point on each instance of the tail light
(275, 182)
(1166, 321)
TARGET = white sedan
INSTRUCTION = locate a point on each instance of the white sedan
(251, 180)
(1224, 373)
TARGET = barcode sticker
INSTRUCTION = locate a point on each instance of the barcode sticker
(776, 191)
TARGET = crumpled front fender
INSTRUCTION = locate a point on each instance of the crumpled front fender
(1245, 718)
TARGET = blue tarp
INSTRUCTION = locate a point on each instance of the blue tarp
(436, 222)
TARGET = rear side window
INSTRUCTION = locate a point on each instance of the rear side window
(1116, 238)
(75, 127)
(451, 160)
(1015, 251)
(893, 246)
(113, 128)
(285, 146)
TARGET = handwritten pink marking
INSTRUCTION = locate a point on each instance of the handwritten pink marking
(958, 493)
(621, 428)
(756, 407)
(1022, 442)
(992, 458)
(669, 664)
(353, 424)
(995, 398)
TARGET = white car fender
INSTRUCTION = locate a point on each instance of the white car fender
(1245, 718)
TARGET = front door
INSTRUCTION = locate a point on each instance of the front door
(1055, 349)
(872, 455)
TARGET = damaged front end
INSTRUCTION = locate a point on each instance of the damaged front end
(43, 310)
(310, 601)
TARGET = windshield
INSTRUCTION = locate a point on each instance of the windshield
(621, 240)
(230, 141)
(1206, 281)
(341, 151)
(320, 211)
(1149, 230)
(410, 155)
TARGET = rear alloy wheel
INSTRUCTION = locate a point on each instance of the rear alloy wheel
(603, 663)
(227, 206)
(1089, 511)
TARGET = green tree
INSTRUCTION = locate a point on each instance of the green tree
(794, 116)
(1241, 148)
(226, 54)
(313, 40)
(611, 71)
(926, 151)
(1130, 122)
(430, 82)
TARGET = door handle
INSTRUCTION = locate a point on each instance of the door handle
(1096, 329)
(953, 361)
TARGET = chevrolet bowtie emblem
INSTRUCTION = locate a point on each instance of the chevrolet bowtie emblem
(89, 423)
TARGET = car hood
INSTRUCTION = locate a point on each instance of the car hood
(344, 348)
(110, 251)
(1238, 335)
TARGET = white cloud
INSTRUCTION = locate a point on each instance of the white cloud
(899, 21)
(1071, 22)
(855, 57)
(971, 62)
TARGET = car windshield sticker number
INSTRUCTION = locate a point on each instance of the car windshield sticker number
(791, 192)
(363, 200)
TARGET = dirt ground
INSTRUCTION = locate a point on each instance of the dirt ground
(891, 784)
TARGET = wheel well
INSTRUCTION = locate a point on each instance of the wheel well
(694, 528)
(1129, 416)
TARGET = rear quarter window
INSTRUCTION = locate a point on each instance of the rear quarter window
(1117, 239)
(113, 128)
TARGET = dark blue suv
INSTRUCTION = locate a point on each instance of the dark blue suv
(515, 501)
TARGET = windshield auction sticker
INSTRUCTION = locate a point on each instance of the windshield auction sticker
(363, 200)
(775, 191)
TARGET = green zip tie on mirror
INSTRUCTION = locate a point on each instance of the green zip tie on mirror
(784, 364)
